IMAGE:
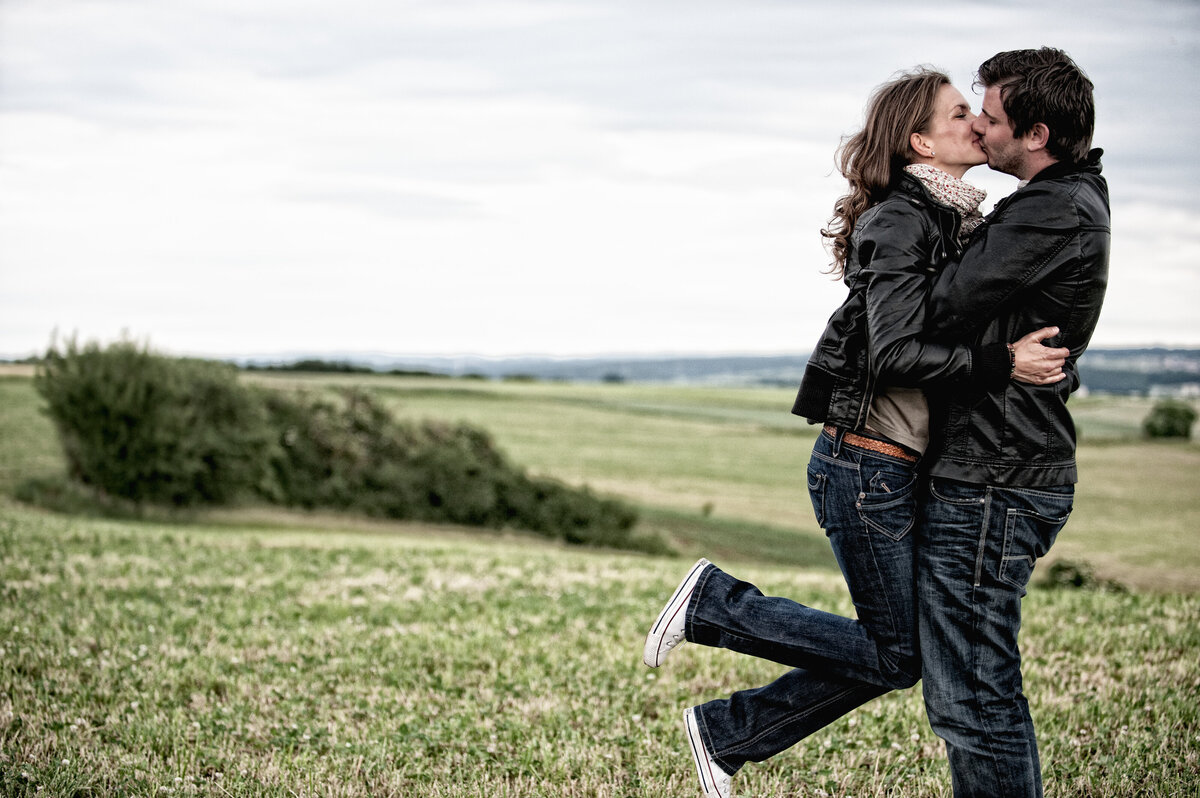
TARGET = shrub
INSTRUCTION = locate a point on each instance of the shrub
(142, 428)
(146, 428)
(1069, 575)
(1170, 419)
(352, 455)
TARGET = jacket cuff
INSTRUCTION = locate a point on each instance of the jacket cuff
(991, 365)
(815, 395)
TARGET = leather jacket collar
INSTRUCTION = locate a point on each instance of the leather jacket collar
(1092, 164)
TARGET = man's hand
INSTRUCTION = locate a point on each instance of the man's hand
(1036, 364)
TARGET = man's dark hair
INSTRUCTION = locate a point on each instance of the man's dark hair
(1046, 86)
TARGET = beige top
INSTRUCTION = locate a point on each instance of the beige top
(901, 415)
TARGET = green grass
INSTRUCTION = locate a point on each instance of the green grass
(738, 450)
(28, 445)
(146, 659)
(257, 652)
(722, 469)
(679, 450)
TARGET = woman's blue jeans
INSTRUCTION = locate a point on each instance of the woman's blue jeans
(865, 502)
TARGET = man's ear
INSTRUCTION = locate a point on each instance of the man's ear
(1038, 137)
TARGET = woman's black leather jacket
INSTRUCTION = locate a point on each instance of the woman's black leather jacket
(872, 339)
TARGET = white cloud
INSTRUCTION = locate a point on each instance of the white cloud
(504, 177)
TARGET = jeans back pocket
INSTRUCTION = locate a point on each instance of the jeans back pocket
(888, 503)
(1028, 535)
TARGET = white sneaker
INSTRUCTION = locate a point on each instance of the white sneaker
(667, 632)
(714, 781)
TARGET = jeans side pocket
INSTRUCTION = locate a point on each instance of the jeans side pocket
(1027, 537)
(816, 492)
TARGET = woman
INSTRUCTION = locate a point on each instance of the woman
(906, 213)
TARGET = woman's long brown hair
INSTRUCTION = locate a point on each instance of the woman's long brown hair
(873, 157)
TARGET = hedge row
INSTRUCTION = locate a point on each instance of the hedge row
(184, 433)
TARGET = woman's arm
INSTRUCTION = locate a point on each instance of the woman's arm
(894, 249)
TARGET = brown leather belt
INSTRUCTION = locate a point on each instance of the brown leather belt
(870, 444)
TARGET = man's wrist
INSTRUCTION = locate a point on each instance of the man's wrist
(991, 365)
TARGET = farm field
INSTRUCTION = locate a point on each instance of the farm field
(146, 659)
(719, 471)
(677, 450)
(264, 653)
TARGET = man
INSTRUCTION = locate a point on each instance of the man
(1002, 467)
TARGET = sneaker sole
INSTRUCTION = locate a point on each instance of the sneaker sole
(708, 779)
(652, 652)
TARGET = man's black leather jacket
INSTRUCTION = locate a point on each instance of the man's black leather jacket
(873, 338)
(1039, 260)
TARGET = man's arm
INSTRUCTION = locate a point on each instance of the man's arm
(896, 258)
(1014, 250)
(1035, 364)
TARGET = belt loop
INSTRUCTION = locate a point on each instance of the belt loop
(838, 434)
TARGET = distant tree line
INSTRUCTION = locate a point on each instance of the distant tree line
(141, 428)
(1127, 372)
(1128, 381)
(336, 367)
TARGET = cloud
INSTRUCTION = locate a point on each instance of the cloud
(499, 177)
(390, 203)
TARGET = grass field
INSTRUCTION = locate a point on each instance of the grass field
(260, 653)
(677, 450)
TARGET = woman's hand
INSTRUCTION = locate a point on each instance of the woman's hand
(1036, 364)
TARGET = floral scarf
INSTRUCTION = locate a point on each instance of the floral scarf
(949, 190)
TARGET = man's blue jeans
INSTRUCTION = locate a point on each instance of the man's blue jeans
(976, 549)
(865, 502)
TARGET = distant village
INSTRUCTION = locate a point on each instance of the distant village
(1154, 372)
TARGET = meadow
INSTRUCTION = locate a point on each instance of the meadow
(721, 470)
(253, 652)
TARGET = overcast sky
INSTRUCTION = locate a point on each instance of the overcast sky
(566, 177)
